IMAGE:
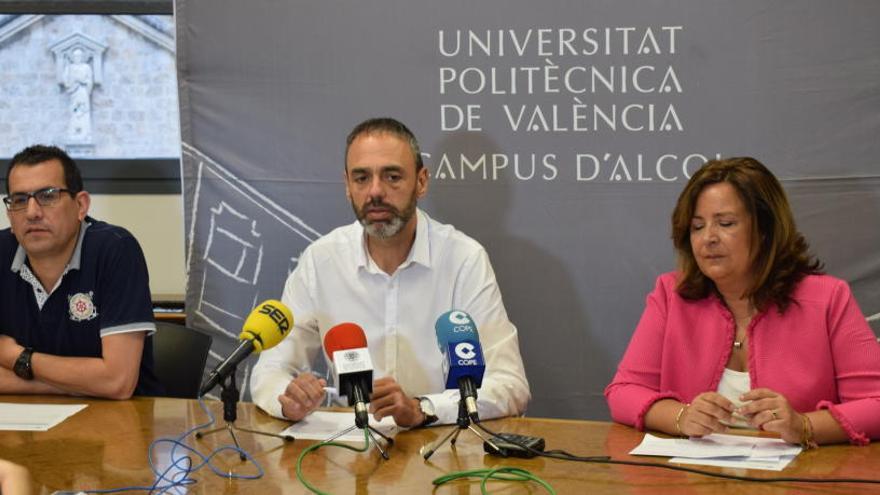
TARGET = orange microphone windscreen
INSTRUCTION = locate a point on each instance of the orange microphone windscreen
(344, 336)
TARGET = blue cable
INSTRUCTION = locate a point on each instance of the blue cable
(184, 464)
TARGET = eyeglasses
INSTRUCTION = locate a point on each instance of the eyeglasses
(45, 197)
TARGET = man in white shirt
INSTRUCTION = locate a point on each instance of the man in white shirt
(393, 272)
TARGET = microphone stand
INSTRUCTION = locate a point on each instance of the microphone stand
(229, 395)
(361, 421)
(462, 423)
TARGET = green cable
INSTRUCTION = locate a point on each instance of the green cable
(503, 473)
(312, 448)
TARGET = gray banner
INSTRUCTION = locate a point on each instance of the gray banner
(557, 133)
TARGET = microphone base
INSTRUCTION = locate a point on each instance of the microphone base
(232, 428)
(372, 432)
(462, 423)
(229, 395)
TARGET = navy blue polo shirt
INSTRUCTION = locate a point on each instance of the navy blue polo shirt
(104, 291)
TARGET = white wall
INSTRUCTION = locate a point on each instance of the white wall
(156, 220)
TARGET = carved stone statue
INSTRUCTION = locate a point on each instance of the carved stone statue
(78, 82)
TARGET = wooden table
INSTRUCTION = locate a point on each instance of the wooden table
(105, 446)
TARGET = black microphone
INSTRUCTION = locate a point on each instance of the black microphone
(267, 324)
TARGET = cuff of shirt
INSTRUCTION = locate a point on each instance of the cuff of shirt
(445, 406)
(265, 396)
(143, 326)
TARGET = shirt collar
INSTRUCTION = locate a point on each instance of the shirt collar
(420, 252)
(74, 263)
(421, 248)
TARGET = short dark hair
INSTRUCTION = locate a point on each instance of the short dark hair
(389, 125)
(780, 253)
(38, 153)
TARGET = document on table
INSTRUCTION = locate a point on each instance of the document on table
(722, 450)
(321, 425)
(35, 417)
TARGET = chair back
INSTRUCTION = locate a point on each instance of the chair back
(179, 357)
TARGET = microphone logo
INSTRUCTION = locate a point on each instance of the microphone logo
(276, 315)
(351, 356)
(465, 350)
(459, 318)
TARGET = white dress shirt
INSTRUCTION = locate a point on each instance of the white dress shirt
(336, 281)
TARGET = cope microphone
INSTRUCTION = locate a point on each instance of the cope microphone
(267, 324)
(346, 345)
(463, 363)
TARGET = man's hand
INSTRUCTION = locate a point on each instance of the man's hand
(302, 396)
(9, 351)
(113, 375)
(388, 399)
(14, 479)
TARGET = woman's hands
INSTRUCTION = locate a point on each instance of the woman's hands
(764, 409)
(770, 411)
(705, 415)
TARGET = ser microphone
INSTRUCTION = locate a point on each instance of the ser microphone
(346, 345)
(267, 324)
(463, 363)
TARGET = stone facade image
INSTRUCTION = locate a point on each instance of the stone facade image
(98, 86)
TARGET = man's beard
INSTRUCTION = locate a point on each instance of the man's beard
(385, 229)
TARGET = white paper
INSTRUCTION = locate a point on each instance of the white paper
(722, 450)
(740, 462)
(694, 448)
(773, 447)
(35, 417)
(321, 425)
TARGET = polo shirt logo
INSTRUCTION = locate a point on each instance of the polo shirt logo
(81, 307)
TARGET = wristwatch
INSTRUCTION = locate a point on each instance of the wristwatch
(427, 408)
(22, 367)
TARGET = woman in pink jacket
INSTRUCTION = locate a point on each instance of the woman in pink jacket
(748, 332)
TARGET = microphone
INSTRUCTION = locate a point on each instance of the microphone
(346, 345)
(463, 363)
(267, 324)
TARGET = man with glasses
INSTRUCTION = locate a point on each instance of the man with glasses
(75, 309)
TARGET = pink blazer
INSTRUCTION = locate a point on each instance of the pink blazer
(820, 354)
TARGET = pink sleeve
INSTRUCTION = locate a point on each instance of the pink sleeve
(856, 356)
(636, 385)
